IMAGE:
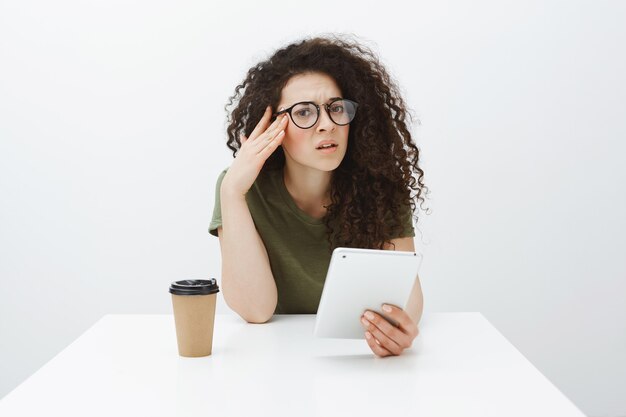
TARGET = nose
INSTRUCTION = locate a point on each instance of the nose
(325, 123)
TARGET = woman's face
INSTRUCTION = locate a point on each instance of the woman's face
(300, 145)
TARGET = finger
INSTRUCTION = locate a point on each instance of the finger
(242, 139)
(279, 124)
(397, 334)
(387, 342)
(272, 127)
(405, 322)
(374, 322)
(262, 125)
(271, 134)
(376, 346)
(272, 145)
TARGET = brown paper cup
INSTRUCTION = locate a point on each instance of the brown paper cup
(194, 315)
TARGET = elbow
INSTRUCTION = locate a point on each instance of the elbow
(257, 319)
(258, 315)
(254, 317)
(257, 312)
(250, 316)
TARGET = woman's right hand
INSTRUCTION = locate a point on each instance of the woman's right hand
(253, 153)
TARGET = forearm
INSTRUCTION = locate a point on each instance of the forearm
(415, 305)
(247, 282)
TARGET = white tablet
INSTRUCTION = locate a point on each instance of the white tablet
(359, 280)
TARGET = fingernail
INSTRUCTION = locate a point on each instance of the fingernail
(368, 335)
(369, 315)
(386, 308)
(364, 322)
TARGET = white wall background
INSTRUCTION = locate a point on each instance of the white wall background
(112, 135)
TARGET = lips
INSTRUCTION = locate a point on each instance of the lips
(325, 144)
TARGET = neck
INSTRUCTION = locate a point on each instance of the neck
(309, 187)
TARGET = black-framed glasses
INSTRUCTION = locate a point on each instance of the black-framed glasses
(305, 113)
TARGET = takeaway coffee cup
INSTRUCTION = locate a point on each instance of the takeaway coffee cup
(194, 315)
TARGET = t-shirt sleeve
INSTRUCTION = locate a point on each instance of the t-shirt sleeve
(406, 223)
(409, 230)
(216, 220)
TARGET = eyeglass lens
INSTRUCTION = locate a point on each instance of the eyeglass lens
(341, 112)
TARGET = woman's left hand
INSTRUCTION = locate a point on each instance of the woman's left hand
(384, 338)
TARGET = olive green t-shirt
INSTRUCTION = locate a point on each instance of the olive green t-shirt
(296, 243)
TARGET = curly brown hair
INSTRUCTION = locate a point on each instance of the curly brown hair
(379, 177)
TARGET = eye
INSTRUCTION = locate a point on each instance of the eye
(337, 109)
(303, 112)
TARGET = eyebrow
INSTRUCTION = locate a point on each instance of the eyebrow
(330, 99)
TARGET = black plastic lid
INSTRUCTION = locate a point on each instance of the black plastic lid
(194, 287)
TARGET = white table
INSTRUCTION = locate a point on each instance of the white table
(128, 365)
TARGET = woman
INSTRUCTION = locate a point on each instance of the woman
(323, 158)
